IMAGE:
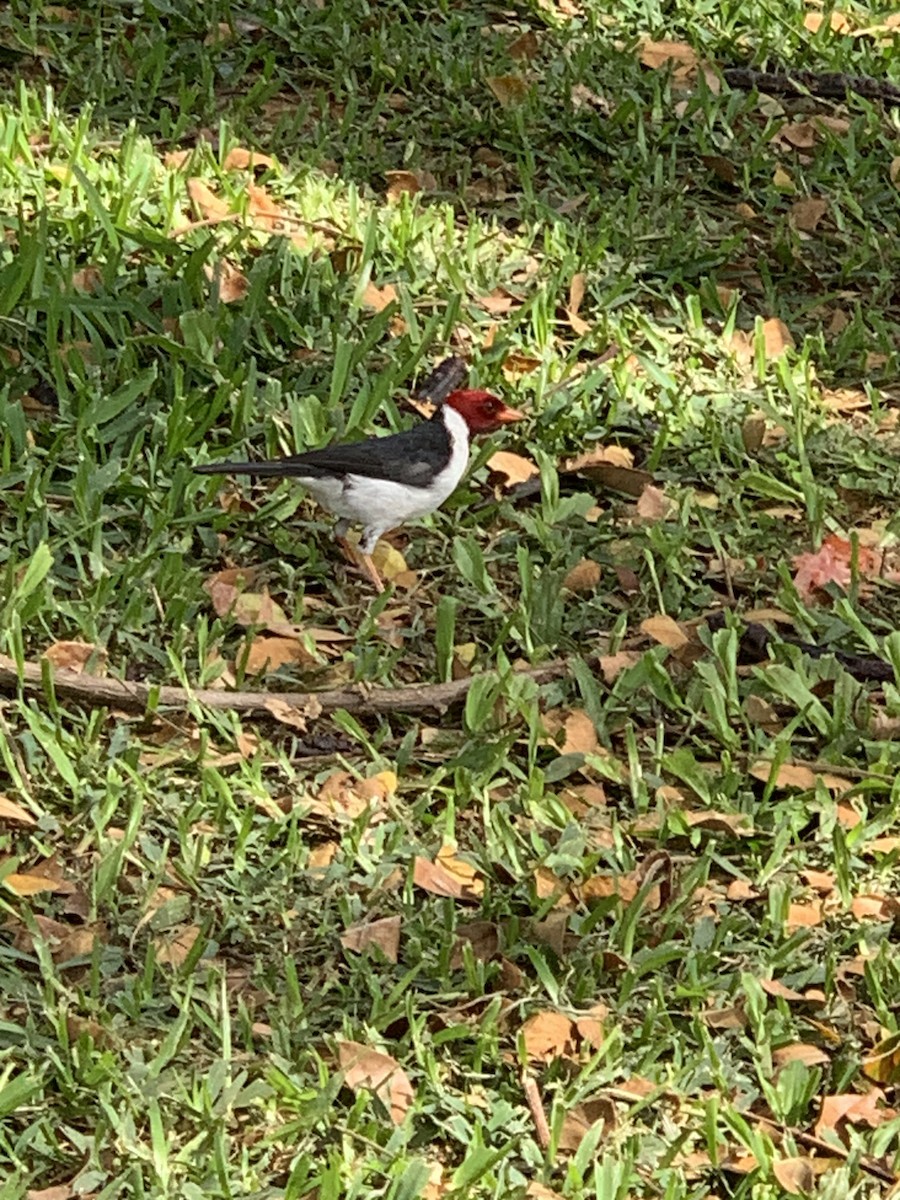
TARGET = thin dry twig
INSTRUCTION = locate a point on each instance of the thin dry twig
(137, 697)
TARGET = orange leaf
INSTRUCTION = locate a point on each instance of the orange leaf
(447, 876)
(269, 653)
(803, 915)
(776, 337)
(378, 298)
(10, 811)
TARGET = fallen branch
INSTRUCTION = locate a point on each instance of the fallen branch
(136, 697)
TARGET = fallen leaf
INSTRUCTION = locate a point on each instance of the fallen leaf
(852, 1108)
(230, 281)
(810, 1056)
(378, 298)
(612, 665)
(660, 54)
(738, 824)
(739, 890)
(774, 987)
(665, 631)
(87, 279)
(796, 1175)
(822, 882)
(838, 22)
(10, 811)
(882, 1063)
(654, 505)
(511, 469)
(482, 937)
(61, 1191)
(24, 884)
(582, 97)
(582, 1117)
(806, 214)
(869, 906)
(322, 856)
(499, 302)
(583, 577)
(776, 337)
(525, 46)
(579, 735)
(509, 90)
(267, 654)
(788, 775)
(292, 715)
(210, 206)
(240, 159)
(384, 933)
(369, 1070)
(447, 876)
(173, 948)
(725, 1018)
(803, 916)
(549, 1035)
(616, 456)
(408, 183)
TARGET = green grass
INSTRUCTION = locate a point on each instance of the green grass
(170, 1011)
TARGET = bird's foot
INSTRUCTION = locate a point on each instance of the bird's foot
(363, 561)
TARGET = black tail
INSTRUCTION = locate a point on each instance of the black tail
(277, 467)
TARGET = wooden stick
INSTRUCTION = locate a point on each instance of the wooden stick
(134, 697)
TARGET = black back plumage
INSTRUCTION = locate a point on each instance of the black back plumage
(412, 458)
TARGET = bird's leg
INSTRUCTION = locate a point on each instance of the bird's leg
(356, 554)
(372, 571)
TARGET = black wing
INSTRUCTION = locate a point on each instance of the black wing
(413, 458)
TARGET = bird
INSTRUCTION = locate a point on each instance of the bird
(382, 482)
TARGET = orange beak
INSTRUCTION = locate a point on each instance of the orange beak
(507, 415)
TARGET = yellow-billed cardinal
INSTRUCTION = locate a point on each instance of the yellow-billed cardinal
(383, 481)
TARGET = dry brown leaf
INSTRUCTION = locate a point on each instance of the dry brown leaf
(511, 469)
(809, 1055)
(369, 1070)
(61, 1191)
(322, 856)
(584, 576)
(838, 22)
(654, 505)
(10, 811)
(803, 916)
(549, 1035)
(789, 775)
(378, 298)
(776, 337)
(581, 1117)
(852, 1108)
(499, 302)
(240, 159)
(408, 183)
(87, 279)
(660, 54)
(208, 204)
(525, 47)
(25, 884)
(666, 631)
(579, 736)
(806, 214)
(820, 881)
(796, 1175)
(576, 296)
(482, 937)
(269, 653)
(447, 876)
(616, 456)
(774, 987)
(869, 906)
(509, 90)
(738, 824)
(882, 1064)
(844, 400)
(292, 715)
(229, 280)
(725, 1018)
(383, 933)
(612, 665)
(629, 480)
(173, 947)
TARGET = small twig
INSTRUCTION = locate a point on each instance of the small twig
(869, 1165)
(134, 697)
(536, 1108)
